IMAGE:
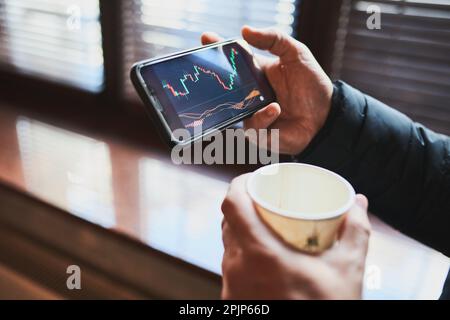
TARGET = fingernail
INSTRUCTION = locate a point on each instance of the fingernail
(272, 112)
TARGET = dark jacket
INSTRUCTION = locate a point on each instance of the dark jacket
(402, 167)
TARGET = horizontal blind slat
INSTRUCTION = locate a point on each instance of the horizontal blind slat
(410, 77)
(431, 66)
(406, 63)
(59, 40)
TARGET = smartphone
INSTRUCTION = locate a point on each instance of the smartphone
(201, 90)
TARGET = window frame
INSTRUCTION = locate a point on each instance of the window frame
(112, 97)
(317, 26)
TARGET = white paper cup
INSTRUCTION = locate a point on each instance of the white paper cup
(303, 204)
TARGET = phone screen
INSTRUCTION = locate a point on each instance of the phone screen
(207, 87)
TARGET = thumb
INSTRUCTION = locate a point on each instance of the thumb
(355, 230)
(263, 118)
(210, 37)
(274, 41)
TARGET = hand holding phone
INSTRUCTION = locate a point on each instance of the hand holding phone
(302, 88)
(201, 90)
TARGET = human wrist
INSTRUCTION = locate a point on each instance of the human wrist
(328, 118)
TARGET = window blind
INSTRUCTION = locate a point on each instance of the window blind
(406, 63)
(58, 40)
(154, 27)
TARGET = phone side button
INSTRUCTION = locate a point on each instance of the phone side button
(156, 104)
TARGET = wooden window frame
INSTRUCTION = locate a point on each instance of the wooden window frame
(316, 27)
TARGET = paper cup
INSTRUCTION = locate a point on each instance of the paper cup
(303, 204)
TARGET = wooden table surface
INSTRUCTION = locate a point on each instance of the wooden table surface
(173, 209)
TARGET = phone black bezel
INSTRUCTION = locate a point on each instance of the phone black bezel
(151, 101)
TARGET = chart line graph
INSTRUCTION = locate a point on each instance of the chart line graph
(199, 118)
(227, 84)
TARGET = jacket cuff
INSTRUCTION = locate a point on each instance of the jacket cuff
(332, 145)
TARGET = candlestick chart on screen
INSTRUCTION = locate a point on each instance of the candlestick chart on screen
(206, 90)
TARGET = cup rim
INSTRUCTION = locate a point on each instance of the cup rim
(295, 214)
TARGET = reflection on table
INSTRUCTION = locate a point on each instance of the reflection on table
(176, 209)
